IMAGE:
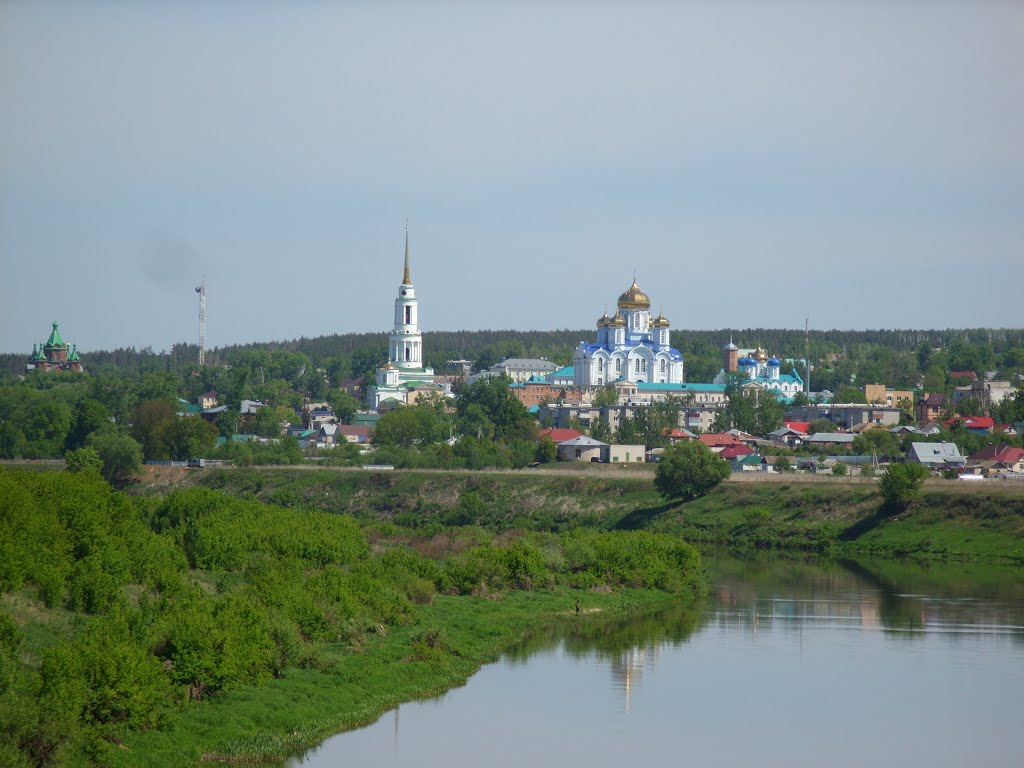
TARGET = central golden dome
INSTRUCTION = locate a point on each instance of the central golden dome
(634, 298)
(760, 355)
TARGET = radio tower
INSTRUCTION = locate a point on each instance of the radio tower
(201, 290)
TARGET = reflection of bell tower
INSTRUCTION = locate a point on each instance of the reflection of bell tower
(628, 667)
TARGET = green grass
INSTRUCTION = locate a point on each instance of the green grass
(298, 711)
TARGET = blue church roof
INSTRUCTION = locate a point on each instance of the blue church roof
(773, 362)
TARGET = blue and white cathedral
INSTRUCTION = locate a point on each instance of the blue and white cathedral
(630, 347)
(404, 369)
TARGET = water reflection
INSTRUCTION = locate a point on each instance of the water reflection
(785, 660)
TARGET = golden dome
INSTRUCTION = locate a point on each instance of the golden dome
(634, 298)
(603, 321)
(618, 321)
(660, 321)
(760, 355)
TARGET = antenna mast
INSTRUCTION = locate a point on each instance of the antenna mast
(201, 290)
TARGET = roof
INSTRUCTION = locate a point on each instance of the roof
(55, 339)
(935, 400)
(936, 453)
(647, 386)
(582, 442)
(784, 431)
(524, 364)
(560, 435)
(963, 375)
(735, 451)
(355, 430)
(718, 439)
(798, 426)
(974, 422)
(750, 458)
(998, 453)
(563, 373)
(831, 437)
(681, 434)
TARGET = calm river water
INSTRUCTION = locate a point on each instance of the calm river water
(787, 664)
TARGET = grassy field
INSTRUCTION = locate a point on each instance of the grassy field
(846, 517)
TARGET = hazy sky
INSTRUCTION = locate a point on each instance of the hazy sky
(860, 161)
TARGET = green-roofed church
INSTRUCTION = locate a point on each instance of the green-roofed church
(55, 354)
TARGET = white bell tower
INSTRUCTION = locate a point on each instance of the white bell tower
(406, 343)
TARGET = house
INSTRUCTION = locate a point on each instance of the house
(978, 425)
(931, 406)
(804, 427)
(971, 375)
(582, 449)
(207, 400)
(719, 441)
(751, 462)
(846, 415)
(624, 454)
(887, 396)
(787, 435)
(1001, 458)
(679, 435)
(519, 369)
(936, 455)
(733, 452)
(560, 434)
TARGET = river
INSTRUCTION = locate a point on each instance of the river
(786, 664)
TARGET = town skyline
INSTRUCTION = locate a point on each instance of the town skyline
(854, 162)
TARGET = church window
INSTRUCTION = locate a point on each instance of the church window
(408, 315)
(662, 366)
(407, 354)
(600, 365)
(618, 365)
(636, 366)
(643, 366)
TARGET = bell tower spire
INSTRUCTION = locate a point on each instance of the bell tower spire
(406, 280)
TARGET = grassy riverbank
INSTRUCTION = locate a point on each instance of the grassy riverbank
(448, 641)
(949, 521)
(198, 626)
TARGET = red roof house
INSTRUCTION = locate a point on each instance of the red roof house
(731, 452)
(974, 423)
(560, 435)
(799, 426)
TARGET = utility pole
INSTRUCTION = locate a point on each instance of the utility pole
(807, 357)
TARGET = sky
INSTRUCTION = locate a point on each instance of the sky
(751, 162)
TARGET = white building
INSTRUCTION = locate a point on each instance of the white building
(404, 369)
(630, 346)
(758, 367)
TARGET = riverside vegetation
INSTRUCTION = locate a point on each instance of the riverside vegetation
(246, 614)
(199, 626)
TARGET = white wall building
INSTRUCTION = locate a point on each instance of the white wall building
(630, 346)
(404, 369)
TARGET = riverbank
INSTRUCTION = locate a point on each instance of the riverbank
(441, 649)
(950, 520)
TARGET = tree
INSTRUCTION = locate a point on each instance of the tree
(149, 422)
(901, 483)
(605, 396)
(90, 416)
(85, 459)
(412, 425)
(120, 454)
(343, 405)
(488, 409)
(839, 469)
(970, 406)
(849, 395)
(188, 437)
(688, 470)
(547, 450)
(782, 464)
(820, 425)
